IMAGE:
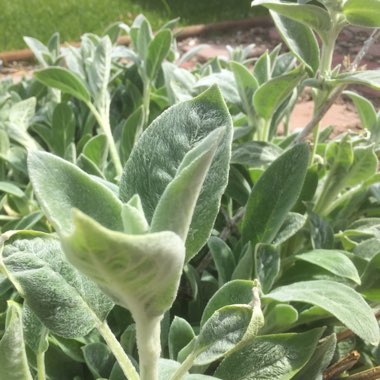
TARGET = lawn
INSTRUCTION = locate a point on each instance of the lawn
(41, 18)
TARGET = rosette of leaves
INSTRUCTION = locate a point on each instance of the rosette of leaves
(134, 247)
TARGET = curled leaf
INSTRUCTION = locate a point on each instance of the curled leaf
(139, 272)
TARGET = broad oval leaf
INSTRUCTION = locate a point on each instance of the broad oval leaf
(61, 186)
(149, 169)
(365, 108)
(175, 208)
(365, 78)
(271, 357)
(96, 150)
(300, 39)
(226, 82)
(39, 50)
(255, 153)
(98, 71)
(310, 15)
(363, 167)
(292, 224)
(344, 303)
(262, 68)
(65, 301)
(139, 272)
(332, 260)
(35, 333)
(64, 80)
(158, 49)
(12, 189)
(271, 94)
(234, 292)
(223, 258)
(267, 265)
(320, 360)
(167, 368)
(63, 128)
(362, 12)
(180, 334)
(131, 131)
(279, 317)
(13, 359)
(20, 117)
(133, 217)
(99, 359)
(246, 85)
(221, 333)
(141, 28)
(274, 195)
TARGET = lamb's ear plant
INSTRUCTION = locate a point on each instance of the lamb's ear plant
(87, 80)
(134, 251)
(291, 260)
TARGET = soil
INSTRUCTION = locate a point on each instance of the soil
(342, 115)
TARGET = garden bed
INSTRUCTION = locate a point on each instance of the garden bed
(164, 222)
(261, 33)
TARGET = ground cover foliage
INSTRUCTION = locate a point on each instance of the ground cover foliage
(155, 223)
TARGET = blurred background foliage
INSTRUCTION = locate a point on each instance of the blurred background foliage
(72, 18)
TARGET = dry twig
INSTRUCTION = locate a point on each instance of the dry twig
(344, 364)
(370, 374)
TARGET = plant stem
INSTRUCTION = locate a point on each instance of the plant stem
(121, 357)
(41, 366)
(338, 90)
(183, 369)
(319, 115)
(146, 102)
(148, 335)
(105, 126)
(315, 143)
(328, 46)
(266, 130)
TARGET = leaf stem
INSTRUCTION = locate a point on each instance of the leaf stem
(266, 130)
(148, 335)
(41, 366)
(105, 126)
(146, 102)
(328, 47)
(315, 143)
(319, 115)
(121, 357)
(184, 368)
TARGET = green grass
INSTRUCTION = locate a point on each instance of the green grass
(41, 18)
